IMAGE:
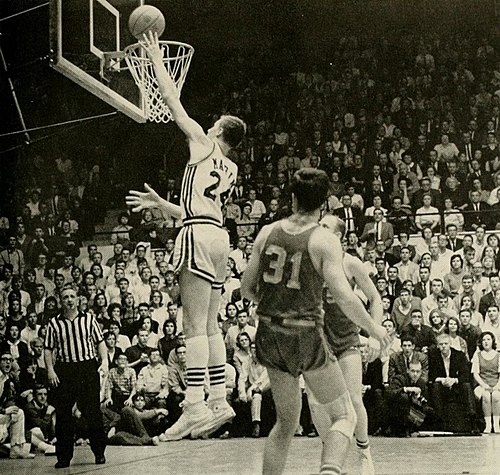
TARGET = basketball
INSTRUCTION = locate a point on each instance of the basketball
(144, 19)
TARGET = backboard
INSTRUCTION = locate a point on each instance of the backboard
(81, 32)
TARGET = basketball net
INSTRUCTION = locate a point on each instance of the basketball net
(177, 58)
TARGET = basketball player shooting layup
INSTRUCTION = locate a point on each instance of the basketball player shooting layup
(290, 261)
(343, 337)
(201, 252)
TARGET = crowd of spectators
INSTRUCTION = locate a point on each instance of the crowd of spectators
(408, 136)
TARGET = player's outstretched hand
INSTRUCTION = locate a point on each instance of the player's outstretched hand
(139, 200)
(152, 46)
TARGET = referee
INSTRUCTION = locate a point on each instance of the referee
(74, 375)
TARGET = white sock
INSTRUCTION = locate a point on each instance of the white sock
(196, 362)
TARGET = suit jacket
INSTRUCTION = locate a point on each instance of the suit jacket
(424, 337)
(397, 364)
(458, 245)
(356, 214)
(386, 233)
(473, 217)
(372, 374)
(419, 290)
(485, 302)
(459, 367)
(401, 381)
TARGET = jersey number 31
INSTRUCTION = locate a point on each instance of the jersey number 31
(277, 265)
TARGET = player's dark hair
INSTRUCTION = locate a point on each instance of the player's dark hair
(234, 130)
(310, 187)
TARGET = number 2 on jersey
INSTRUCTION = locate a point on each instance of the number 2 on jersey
(277, 265)
(210, 190)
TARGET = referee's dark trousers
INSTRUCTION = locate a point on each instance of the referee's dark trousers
(78, 382)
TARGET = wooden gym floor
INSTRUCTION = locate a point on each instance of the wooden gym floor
(431, 455)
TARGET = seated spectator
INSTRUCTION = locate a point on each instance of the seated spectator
(407, 269)
(406, 392)
(451, 391)
(233, 332)
(121, 232)
(122, 341)
(372, 390)
(246, 226)
(176, 384)
(243, 354)
(147, 324)
(30, 331)
(490, 298)
(113, 350)
(393, 347)
(423, 243)
(169, 340)
(36, 346)
(11, 417)
(456, 341)
(253, 382)
(427, 215)
(120, 385)
(476, 213)
(452, 215)
(453, 280)
(30, 377)
(130, 429)
(138, 354)
(468, 304)
(470, 333)
(13, 344)
(401, 310)
(40, 421)
(152, 381)
(486, 372)
(491, 321)
(437, 322)
(422, 335)
(399, 362)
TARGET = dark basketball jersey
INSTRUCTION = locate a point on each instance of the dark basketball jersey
(289, 286)
(341, 333)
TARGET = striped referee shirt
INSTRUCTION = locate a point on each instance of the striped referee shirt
(75, 341)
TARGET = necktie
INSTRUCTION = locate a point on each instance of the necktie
(377, 231)
(469, 155)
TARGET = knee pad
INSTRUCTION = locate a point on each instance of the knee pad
(335, 416)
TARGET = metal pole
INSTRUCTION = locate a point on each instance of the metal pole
(14, 96)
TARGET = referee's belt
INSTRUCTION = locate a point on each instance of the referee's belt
(201, 220)
(304, 322)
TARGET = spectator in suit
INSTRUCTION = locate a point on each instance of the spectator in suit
(403, 242)
(423, 288)
(450, 382)
(351, 215)
(491, 297)
(400, 217)
(399, 362)
(422, 335)
(406, 390)
(454, 243)
(373, 391)
(470, 333)
(476, 212)
(425, 188)
(378, 230)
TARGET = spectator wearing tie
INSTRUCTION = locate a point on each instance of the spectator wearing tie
(476, 212)
(394, 284)
(350, 215)
(378, 230)
(454, 243)
(422, 335)
(399, 362)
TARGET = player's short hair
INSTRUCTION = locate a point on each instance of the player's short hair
(233, 130)
(310, 187)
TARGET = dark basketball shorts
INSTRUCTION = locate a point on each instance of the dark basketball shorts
(291, 350)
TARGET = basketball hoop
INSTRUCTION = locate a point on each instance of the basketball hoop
(177, 58)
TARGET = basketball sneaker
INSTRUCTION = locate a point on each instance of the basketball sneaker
(193, 416)
(222, 413)
(366, 462)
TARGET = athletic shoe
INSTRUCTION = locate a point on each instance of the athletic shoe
(155, 440)
(222, 413)
(51, 450)
(365, 459)
(194, 416)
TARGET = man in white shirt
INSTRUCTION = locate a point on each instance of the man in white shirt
(238, 254)
(30, 331)
(431, 302)
(258, 207)
(408, 270)
(440, 265)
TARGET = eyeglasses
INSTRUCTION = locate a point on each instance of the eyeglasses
(6, 358)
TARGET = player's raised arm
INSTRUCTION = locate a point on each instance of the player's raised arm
(328, 257)
(170, 93)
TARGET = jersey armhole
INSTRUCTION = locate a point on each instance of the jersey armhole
(192, 162)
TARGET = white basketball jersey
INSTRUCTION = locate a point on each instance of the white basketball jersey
(206, 186)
